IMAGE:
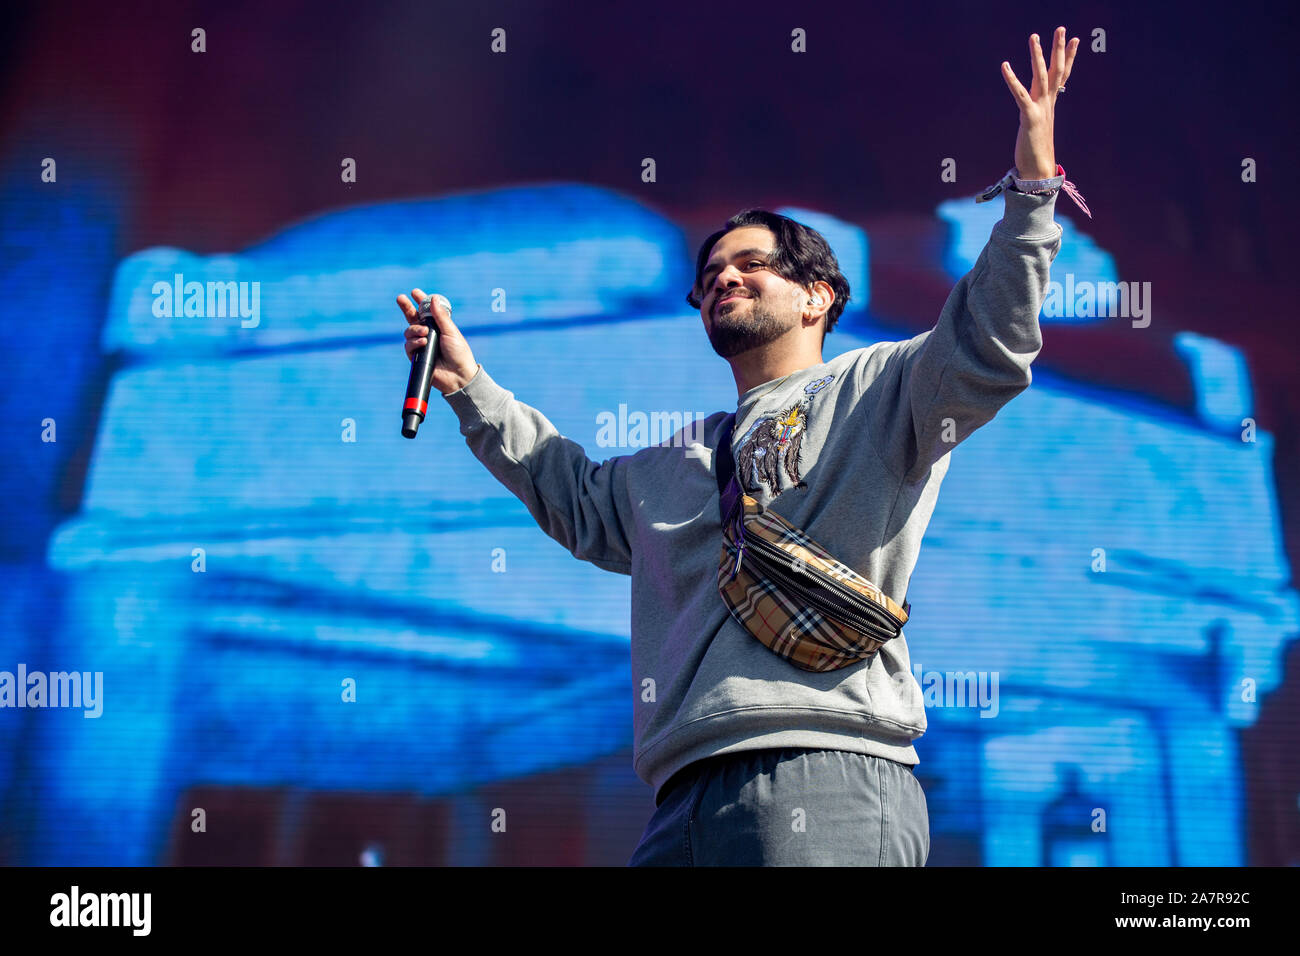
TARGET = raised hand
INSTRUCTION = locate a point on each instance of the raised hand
(1035, 153)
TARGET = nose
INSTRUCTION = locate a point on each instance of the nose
(728, 278)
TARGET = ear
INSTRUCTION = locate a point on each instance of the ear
(819, 300)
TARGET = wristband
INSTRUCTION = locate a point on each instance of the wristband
(1036, 187)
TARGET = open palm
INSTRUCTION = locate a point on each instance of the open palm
(1035, 153)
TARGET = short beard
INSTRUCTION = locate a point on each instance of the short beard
(733, 333)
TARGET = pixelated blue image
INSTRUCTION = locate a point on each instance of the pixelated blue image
(247, 622)
(1100, 576)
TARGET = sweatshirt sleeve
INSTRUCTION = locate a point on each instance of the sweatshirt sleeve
(579, 503)
(935, 389)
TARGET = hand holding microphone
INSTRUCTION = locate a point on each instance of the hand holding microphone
(440, 356)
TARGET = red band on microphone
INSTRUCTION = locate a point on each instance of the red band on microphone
(415, 403)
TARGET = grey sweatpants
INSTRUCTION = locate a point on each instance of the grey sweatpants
(789, 807)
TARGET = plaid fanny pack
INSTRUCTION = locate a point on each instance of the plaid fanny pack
(790, 592)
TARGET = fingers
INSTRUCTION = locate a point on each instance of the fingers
(1062, 59)
(416, 331)
(1044, 81)
(418, 297)
(442, 310)
(1038, 66)
(441, 304)
(417, 337)
(408, 308)
(1014, 85)
(412, 305)
(1069, 60)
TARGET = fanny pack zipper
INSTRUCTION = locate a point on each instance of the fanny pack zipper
(837, 612)
(844, 599)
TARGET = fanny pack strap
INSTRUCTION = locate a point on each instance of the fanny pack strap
(728, 488)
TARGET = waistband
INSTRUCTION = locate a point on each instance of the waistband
(687, 774)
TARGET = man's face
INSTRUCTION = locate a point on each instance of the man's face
(745, 305)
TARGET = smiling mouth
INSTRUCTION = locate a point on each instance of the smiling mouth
(728, 299)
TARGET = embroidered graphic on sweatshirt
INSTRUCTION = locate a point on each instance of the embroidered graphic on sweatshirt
(771, 446)
(812, 388)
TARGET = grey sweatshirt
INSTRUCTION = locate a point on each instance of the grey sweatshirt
(856, 460)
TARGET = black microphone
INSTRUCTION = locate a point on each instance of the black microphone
(422, 363)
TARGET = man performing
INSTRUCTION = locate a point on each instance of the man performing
(753, 760)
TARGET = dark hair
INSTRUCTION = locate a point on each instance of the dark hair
(801, 255)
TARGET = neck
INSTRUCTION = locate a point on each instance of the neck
(761, 365)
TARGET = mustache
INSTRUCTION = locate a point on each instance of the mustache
(728, 295)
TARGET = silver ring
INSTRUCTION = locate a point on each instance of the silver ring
(1060, 89)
